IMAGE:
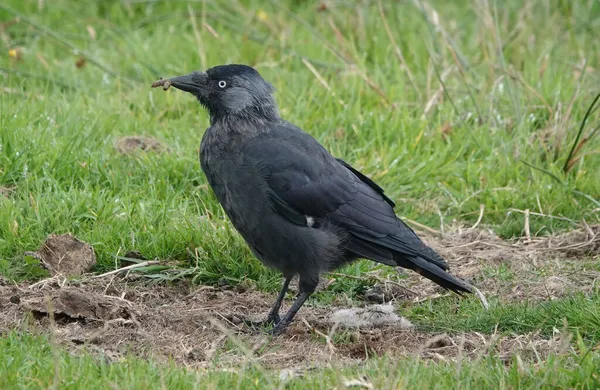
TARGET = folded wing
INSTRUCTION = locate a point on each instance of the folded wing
(305, 180)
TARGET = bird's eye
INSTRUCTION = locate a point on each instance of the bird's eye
(222, 84)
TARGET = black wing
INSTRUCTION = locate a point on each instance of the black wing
(305, 180)
(368, 181)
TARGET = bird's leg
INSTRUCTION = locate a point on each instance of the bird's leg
(273, 316)
(289, 316)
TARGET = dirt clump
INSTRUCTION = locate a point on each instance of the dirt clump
(75, 303)
(65, 255)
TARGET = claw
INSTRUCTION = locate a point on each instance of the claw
(274, 320)
(279, 328)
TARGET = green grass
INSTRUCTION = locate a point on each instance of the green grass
(518, 79)
(57, 142)
(32, 362)
(578, 313)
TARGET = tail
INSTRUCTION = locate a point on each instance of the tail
(433, 272)
(433, 269)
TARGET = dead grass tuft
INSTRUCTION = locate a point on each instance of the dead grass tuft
(535, 268)
(6, 191)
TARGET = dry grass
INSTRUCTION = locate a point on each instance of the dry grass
(536, 268)
(134, 143)
(6, 191)
(200, 326)
(196, 328)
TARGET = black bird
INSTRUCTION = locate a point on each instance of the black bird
(301, 210)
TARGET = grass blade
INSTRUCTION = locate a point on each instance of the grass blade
(571, 155)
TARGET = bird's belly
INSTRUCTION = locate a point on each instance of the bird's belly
(275, 241)
(248, 209)
(272, 239)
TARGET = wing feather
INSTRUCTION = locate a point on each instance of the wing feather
(305, 180)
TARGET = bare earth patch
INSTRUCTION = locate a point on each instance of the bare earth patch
(202, 326)
(133, 143)
(198, 328)
(538, 268)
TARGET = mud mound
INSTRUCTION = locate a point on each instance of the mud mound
(65, 255)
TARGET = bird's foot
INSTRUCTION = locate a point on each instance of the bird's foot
(279, 328)
(278, 325)
(270, 320)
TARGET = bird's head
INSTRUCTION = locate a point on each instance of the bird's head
(230, 91)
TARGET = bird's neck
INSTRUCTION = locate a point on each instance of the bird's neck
(244, 126)
(253, 114)
(227, 135)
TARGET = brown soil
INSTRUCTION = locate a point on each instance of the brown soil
(195, 327)
(65, 255)
(200, 326)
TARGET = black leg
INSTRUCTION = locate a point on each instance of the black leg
(289, 316)
(273, 316)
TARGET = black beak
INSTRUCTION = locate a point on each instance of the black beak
(194, 83)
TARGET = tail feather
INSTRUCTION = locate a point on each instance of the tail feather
(433, 268)
(436, 274)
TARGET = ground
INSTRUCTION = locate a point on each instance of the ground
(192, 325)
(479, 120)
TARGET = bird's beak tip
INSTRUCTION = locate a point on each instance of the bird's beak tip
(191, 83)
(161, 83)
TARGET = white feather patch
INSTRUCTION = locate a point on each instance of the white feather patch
(310, 221)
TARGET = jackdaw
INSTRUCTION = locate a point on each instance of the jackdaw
(300, 210)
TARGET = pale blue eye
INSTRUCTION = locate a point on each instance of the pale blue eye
(222, 83)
